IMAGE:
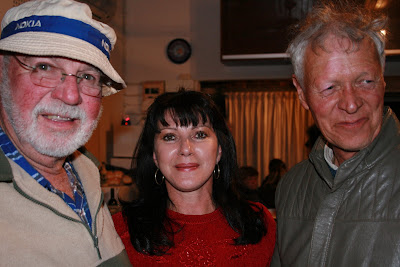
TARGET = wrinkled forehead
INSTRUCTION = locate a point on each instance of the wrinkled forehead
(339, 42)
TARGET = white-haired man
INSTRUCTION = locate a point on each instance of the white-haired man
(341, 207)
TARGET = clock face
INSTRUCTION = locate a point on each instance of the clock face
(179, 51)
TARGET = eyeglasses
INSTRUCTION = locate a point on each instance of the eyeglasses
(46, 75)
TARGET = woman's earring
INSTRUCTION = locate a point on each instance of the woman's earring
(218, 172)
(155, 178)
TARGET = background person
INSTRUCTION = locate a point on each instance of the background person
(248, 183)
(277, 168)
(313, 133)
(188, 213)
(55, 71)
(341, 207)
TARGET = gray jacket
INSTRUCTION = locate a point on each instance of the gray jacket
(352, 219)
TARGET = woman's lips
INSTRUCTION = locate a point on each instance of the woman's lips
(186, 166)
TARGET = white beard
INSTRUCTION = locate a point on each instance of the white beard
(51, 143)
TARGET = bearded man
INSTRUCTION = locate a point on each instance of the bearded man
(55, 71)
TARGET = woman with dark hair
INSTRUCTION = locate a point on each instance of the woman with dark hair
(277, 168)
(188, 212)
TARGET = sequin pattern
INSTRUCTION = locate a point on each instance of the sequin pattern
(198, 253)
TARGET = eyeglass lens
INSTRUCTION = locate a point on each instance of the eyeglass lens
(47, 75)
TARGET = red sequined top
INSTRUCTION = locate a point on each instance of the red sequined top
(206, 240)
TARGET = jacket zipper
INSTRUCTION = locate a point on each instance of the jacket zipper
(93, 236)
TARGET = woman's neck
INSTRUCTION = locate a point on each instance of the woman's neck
(191, 203)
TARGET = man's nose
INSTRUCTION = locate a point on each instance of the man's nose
(350, 99)
(68, 90)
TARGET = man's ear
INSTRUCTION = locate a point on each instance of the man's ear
(300, 92)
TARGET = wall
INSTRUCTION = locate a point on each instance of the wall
(4, 6)
(152, 24)
(149, 27)
(206, 64)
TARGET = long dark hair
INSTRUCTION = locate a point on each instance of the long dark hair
(277, 168)
(149, 227)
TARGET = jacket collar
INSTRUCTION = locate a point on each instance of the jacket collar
(5, 167)
(6, 174)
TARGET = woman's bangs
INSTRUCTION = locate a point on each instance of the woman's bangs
(184, 117)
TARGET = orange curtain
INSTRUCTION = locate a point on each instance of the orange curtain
(268, 125)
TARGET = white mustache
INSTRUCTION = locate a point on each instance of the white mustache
(59, 109)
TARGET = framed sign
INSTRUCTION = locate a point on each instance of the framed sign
(151, 89)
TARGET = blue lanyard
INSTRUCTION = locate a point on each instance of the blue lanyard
(79, 206)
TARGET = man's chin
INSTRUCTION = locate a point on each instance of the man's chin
(58, 145)
(55, 150)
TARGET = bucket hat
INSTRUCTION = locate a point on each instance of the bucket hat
(62, 28)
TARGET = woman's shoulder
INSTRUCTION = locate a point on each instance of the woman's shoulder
(266, 246)
(257, 206)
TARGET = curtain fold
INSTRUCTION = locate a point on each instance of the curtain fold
(268, 125)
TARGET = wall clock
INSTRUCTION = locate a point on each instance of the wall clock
(179, 51)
